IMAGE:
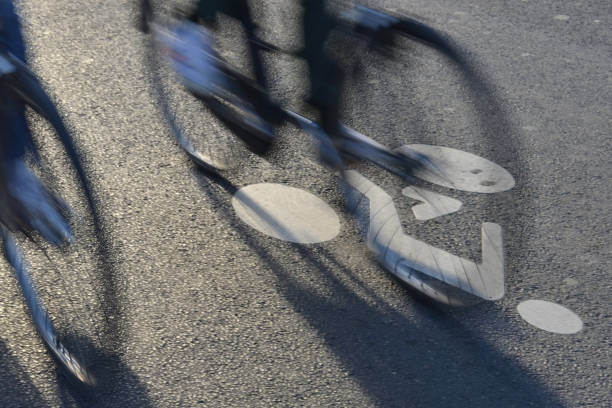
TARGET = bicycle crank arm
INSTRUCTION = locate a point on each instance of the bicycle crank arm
(349, 133)
(354, 145)
(326, 147)
(364, 148)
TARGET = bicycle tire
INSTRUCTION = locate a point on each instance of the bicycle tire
(70, 290)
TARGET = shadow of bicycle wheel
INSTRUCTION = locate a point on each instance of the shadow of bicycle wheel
(425, 359)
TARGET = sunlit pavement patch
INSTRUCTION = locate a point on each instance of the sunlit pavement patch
(550, 317)
(286, 213)
(461, 170)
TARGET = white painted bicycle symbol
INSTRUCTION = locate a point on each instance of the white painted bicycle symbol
(423, 265)
(415, 262)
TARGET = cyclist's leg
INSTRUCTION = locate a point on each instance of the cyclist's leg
(325, 75)
(206, 11)
(10, 29)
(15, 134)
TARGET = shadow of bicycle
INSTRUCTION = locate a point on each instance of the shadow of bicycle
(119, 386)
(429, 359)
(17, 388)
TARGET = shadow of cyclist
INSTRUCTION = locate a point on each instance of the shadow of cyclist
(121, 387)
(116, 384)
(17, 388)
(428, 360)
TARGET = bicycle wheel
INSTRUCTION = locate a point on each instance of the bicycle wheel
(70, 289)
(452, 233)
(205, 127)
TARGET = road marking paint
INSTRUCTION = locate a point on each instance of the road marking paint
(550, 317)
(433, 205)
(570, 282)
(462, 170)
(561, 17)
(286, 213)
(416, 262)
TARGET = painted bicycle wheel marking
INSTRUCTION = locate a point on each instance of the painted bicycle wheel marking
(461, 170)
(550, 317)
(286, 213)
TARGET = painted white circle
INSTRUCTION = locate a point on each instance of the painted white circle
(286, 213)
(461, 170)
(550, 317)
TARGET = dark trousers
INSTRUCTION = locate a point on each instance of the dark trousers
(207, 10)
(14, 132)
(325, 76)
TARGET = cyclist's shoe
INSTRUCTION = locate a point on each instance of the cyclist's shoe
(189, 47)
(28, 205)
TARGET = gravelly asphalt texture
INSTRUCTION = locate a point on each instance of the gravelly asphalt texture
(217, 314)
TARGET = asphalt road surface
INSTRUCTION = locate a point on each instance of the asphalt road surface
(217, 313)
